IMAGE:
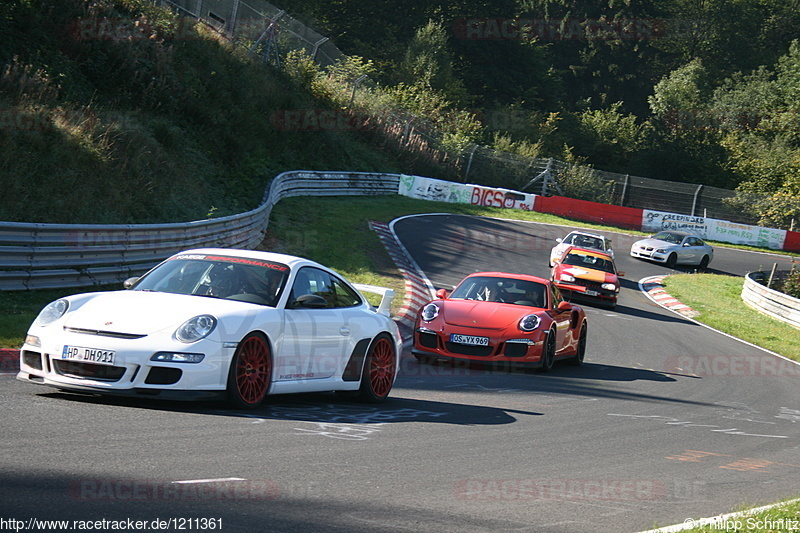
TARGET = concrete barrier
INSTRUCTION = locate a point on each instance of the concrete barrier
(769, 301)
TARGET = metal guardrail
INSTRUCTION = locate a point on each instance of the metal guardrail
(48, 256)
(769, 301)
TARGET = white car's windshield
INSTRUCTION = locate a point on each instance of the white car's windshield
(506, 290)
(234, 278)
(584, 241)
(666, 236)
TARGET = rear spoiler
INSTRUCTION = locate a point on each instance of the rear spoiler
(387, 295)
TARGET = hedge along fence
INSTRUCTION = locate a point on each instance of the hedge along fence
(47, 256)
(769, 301)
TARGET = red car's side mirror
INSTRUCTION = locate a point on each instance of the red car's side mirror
(441, 294)
(564, 305)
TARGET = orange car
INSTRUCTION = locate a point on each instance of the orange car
(582, 272)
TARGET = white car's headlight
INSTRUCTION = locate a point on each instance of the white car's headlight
(52, 312)
(177, 357)
(567, 277)
(196, 328)
(429, 312)
(529, 322)
(609, 286)
(661, 251)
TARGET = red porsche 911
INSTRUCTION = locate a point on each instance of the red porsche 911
(496, 317)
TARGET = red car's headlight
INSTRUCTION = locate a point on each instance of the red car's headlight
(429, 312)
(529, 322)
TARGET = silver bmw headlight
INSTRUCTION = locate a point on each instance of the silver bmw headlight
(52, 312)
(429, 312)
(196, 328)
(529, 322)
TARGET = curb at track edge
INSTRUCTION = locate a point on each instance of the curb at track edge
(652, 288)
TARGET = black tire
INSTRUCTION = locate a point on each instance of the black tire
(672, 260)
(250, 373)
(704, 263)
(549, 352)
(577, 360)
(380, 367)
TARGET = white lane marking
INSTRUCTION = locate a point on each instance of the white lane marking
(217, 480)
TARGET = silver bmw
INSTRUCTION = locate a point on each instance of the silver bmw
(674, 248)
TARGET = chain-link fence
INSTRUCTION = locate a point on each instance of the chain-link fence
(261, 26)
(269, 32)
(674, 197)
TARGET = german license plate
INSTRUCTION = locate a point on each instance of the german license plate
(88, 355)
(592, 293)
(471, 340)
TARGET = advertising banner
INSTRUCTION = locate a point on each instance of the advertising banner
(714, 230)
(463, 193)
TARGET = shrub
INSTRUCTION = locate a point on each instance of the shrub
(791, 284)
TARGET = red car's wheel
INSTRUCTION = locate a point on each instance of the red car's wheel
(581, 350)
(379, 370)
(250, 372)
(549, 352)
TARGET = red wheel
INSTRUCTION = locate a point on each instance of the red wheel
(250, 372)
(379, 370)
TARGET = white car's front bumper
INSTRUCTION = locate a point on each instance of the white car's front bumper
(132, 372)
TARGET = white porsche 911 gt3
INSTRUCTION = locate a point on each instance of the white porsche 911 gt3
(209, 323)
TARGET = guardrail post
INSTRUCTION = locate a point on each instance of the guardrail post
(772, 275)
(316, 48)
(234, 13)
(694, 201)
(356, 83)
(624, 190)
(469, 162)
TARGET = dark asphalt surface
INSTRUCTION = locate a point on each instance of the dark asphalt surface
(631, 440)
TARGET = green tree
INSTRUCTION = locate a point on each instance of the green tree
(428, 63)
(686, 89)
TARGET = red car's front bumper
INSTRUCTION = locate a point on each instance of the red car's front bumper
(430, 343)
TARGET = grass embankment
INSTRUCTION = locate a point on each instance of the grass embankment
(718, 299)
(110, 121)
